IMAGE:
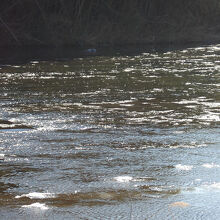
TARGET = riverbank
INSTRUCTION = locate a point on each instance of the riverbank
(84, 23)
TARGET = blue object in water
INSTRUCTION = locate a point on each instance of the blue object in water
(91, 50)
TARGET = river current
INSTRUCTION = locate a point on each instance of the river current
(120, 135)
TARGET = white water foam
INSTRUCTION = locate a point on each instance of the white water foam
(129, 69)
(123, 178)
(2, 156)
(183, 167)
(36, 205)
(210, 165)
(215, 185)
(36, 195)
(206, 187)
(181, 146)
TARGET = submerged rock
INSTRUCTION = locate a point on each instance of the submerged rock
(179, 204)
(5, 122)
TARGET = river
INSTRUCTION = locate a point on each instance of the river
(122, 134)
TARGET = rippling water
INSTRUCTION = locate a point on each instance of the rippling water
(114, 136)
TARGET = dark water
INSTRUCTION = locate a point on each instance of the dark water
(115, 136)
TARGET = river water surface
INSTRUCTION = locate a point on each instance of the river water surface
(111, 136)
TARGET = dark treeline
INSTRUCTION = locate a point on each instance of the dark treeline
(107, 22)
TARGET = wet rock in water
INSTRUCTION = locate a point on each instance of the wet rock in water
(179, 204)
(2, 156)
(5, 122)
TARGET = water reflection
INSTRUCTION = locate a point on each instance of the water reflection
(124, 136)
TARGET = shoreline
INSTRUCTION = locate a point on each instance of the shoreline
(179, 39)
(26, 53)
(89, 24)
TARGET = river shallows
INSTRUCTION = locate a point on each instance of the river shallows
(115, 136)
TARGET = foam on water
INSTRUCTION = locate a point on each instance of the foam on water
(2, 156)
(129, 69)
(206, 187)
(34, 61)
(182, 146)
(215, 185)
(210, 165)
(36, 195)
(14, 158)
(36, 205)
(123, 178)
(183, 167)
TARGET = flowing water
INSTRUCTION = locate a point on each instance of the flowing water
(115, 135)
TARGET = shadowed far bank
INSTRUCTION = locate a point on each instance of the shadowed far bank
(84, 23)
